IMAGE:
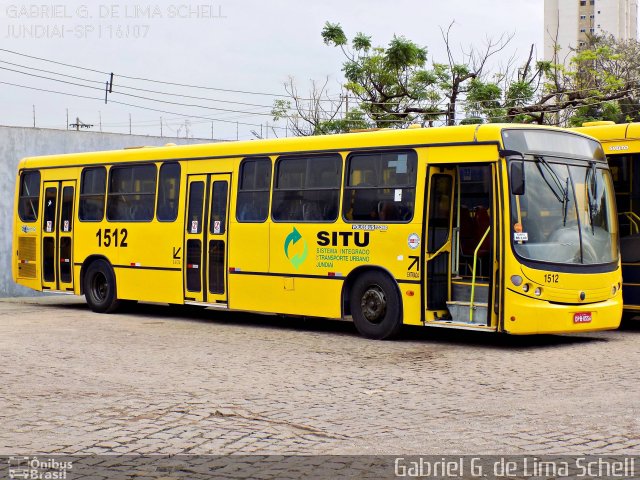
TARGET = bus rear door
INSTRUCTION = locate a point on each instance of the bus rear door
(205, 244)
(57, 236)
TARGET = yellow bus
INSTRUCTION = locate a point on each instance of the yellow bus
(621, 143)
(494, 228)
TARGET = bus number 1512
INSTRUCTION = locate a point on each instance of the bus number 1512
(107, 237)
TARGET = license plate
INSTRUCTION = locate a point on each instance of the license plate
(582, 317)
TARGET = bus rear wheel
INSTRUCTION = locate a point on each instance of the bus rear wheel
(375, 306)
(100, 287)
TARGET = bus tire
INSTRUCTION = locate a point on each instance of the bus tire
(100, 287)
(375, 306)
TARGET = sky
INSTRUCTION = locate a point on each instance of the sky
(250, 47)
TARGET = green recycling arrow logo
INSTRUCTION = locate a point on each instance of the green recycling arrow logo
(293, 238)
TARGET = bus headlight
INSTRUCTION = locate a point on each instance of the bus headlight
(516, 280)
(525, 287)
(614, 289)
(538, 292)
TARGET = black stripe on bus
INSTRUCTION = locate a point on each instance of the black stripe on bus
(299, 275)
(164, 269)
(265, 154)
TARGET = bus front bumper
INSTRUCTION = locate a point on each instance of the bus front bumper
(525, 315)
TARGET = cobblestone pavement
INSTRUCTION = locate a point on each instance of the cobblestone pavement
(160, 380)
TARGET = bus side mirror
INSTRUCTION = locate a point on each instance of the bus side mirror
(516, 178)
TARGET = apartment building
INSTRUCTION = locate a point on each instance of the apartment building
(569, 23)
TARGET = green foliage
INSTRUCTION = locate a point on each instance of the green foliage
(280, 109)
(354, 120)
(361, 42)
(395, 85)
(332, 34)
(604, 111)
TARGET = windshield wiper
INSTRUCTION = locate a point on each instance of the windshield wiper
(561, 192)
(592, 193)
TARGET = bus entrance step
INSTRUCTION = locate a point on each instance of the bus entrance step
(461, 291)
(460, 312)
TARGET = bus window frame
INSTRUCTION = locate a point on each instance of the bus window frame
(36, 197)
(307, 157)
(268, 190)
(103, 194)
(123, 166)
(178, 192)
(346, 188)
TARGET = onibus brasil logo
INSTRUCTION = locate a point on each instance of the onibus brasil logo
(298, 258)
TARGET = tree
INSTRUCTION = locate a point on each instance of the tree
(492, 101)
(393, 86)
(459, 78)
(317, 114)
(600, 79)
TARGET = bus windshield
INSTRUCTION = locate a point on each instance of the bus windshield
(566, 214)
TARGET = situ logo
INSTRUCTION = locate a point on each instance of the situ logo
(343, 239)
(296, 259)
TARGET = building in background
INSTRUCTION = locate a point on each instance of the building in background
(568, 23)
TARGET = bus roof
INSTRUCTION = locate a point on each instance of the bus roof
(380, 138)
(611, 132)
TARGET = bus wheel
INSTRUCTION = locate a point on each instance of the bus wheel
(100, 287)
(375, 306)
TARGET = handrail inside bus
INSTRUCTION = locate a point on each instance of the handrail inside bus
(473, 273)
(634, 219)
(431, 256)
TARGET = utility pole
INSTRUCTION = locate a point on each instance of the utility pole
(237, 132)
(129, 124)
(100, 118)
(34, 116)
(211, 130)
(67, 119)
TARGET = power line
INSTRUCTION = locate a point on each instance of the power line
(246, 92)
(134, 106)
(138, 96)
(135, 88)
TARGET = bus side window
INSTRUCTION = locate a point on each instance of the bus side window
(380, 186)
(307, 188)
(168, 192)
(132, 191)
(29, 196)
(92, 191)
(252, 204)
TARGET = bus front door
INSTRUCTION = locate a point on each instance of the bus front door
(205, 245)
(57, 236)
(439, 201)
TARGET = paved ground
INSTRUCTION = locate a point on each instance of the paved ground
(157, 380)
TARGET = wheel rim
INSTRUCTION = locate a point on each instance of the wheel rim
(374, 304)
(99, 287)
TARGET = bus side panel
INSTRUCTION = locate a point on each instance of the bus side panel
(146, 256)
(287, 295)
(25, 253)
(150, 266)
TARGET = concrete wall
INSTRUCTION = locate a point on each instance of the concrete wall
(19, 142)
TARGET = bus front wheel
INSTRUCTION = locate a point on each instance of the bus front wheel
(100, 287)
(375, 306)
